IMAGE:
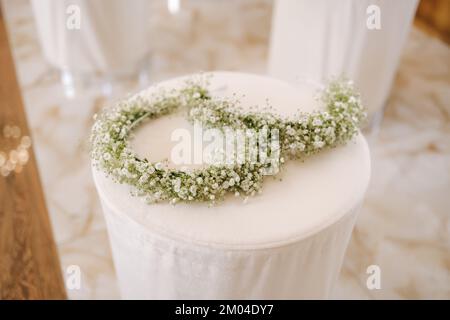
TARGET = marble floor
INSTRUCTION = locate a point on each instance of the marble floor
(404, 226)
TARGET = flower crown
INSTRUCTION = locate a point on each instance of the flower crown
(298, 137)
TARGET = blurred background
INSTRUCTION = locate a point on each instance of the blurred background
(404, 225)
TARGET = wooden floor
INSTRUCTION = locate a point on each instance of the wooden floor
(29, 264)
(433, 16)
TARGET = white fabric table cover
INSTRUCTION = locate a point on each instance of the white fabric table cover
(323, 38)
(288, 242)
(101, 42)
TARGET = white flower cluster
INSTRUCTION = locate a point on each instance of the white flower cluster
(305, 134)
(300, 137)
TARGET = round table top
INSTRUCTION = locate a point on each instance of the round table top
(311, 195)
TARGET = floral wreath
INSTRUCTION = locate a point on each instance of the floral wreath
(299, 137)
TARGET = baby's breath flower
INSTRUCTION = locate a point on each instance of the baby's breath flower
(317, 122)
(299, 137)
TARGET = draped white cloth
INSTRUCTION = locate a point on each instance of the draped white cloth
(288, 242)
(90, 36)
(153, 267)
(362, 39)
